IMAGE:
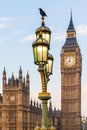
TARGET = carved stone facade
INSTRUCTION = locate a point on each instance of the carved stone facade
(14, 106)
(71, 64)
(17, 112)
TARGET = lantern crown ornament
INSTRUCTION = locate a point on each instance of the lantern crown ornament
(46, 32)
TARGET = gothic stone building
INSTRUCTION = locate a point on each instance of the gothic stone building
(14, 104)
(71, 65)
(17, 112)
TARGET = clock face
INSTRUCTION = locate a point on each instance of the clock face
(69, 61)
(12, 98)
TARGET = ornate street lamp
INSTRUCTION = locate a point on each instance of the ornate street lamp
(44, 60)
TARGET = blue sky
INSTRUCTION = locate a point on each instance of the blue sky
(18, 21)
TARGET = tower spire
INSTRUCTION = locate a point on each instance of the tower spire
(71, 25)
(20, 77)
(20, 73)
(4, 77)
(27, 79)
(71, 34)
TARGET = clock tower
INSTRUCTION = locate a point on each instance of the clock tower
(71, 65)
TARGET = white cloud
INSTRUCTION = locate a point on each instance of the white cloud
(6, 19)
(57, 36)
(28, 38)
(4, 22)
(2, 25)
(3, 39)
(81, 30)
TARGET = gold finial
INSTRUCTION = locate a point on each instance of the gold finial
(40, 34)
(43, 23)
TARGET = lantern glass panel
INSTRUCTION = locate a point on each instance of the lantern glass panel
(35, 54)
(45, 53)
(46, 36)
(39, 53)
(42, 53)
(49, 69)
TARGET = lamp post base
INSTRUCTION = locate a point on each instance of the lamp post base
(44, 97)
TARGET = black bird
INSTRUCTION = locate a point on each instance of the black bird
(42, 13)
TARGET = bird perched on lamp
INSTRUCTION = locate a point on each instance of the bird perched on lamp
(42, 13)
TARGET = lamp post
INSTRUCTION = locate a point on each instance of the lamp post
(44, 60)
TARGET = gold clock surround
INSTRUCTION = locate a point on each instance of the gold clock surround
(70, 60)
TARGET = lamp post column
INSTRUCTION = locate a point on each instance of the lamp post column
(44, 113)
(44, 97)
